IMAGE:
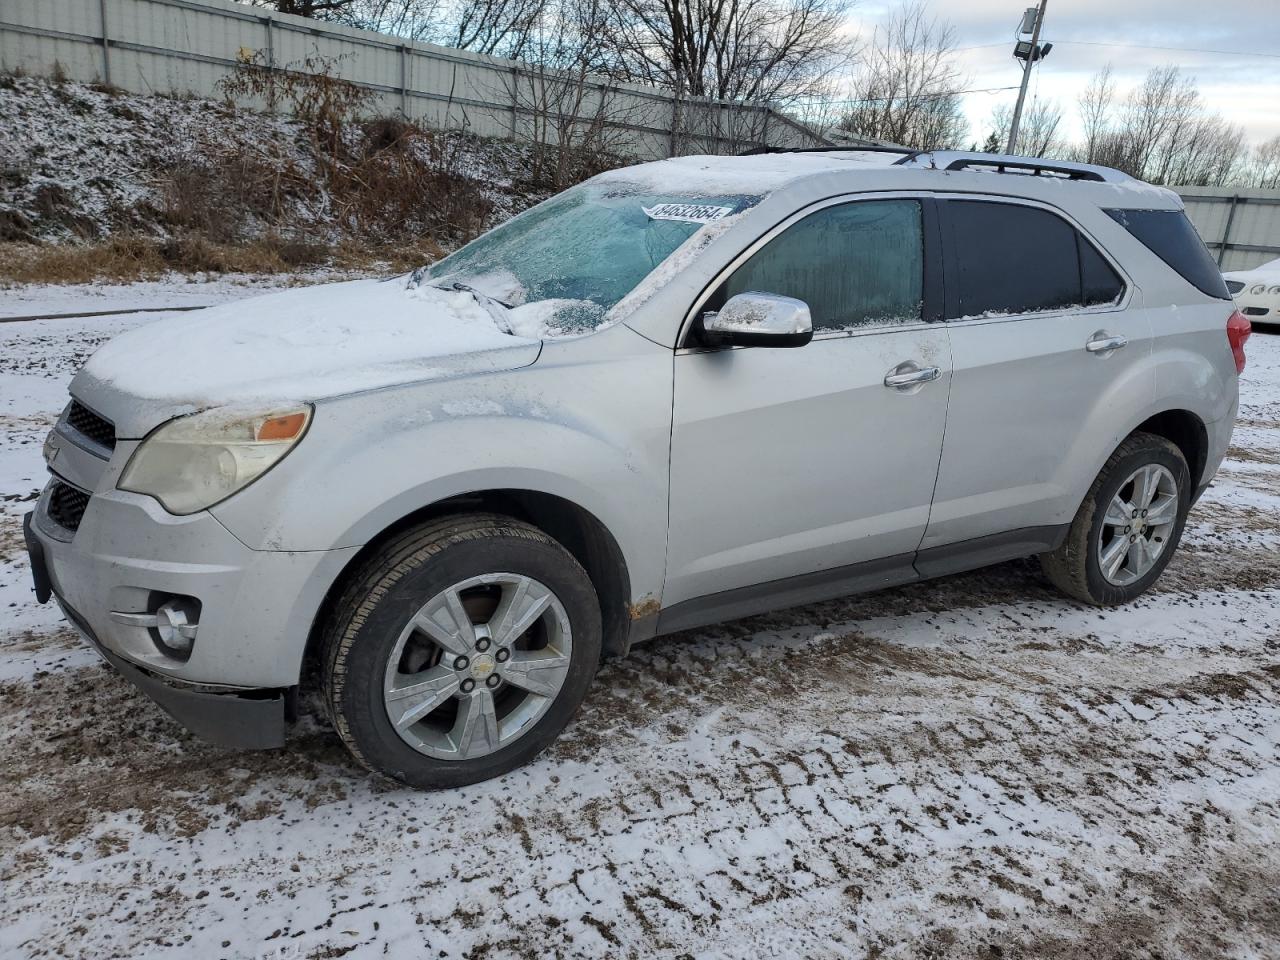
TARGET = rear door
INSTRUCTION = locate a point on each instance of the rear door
(1047, 336)
(788, 463)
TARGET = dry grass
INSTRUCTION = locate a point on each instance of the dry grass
(330, 187)
(126, 257)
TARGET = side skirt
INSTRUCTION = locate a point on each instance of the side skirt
(790, 592)
(853, 579)
(984, 551)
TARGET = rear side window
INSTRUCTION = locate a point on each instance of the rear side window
(1014, 259)
(1171, 237)
(1099, 283)
(857, 264)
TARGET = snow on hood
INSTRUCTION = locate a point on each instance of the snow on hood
(295, 346)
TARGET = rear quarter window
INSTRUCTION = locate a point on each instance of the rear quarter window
(1171, 237)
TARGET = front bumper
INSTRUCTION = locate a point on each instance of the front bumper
(256, 608)
(1259, 308)
(236, 718)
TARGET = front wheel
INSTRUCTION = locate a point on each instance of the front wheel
(462, 651)
(1131, 521)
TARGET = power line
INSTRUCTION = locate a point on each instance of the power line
(1138, 46)
(1176, 49)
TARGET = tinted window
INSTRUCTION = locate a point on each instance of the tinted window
(1098, 280)
(1013, 259)
(855, 264)
(1171, 237)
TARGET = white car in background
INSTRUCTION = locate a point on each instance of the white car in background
(1257, 292)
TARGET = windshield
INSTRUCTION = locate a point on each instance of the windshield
(562, 265)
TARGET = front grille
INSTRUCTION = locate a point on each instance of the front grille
(67, 505)
(1255, 311)
(1235, 286)
(96, 428)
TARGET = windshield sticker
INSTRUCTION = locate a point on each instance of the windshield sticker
(687, 212)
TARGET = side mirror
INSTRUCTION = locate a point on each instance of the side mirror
(758, 320)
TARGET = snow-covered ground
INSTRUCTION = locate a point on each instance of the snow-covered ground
(38, 299)
(972, 767)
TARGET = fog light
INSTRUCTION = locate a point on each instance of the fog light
(173, 626)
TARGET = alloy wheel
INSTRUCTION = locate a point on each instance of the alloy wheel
(477, 665)
(1138, 524)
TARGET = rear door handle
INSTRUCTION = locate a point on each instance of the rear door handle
(1102, 343)
(909, 375)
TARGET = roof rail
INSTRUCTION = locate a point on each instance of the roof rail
(1037, 169)
(907, 152)
(1025, 166)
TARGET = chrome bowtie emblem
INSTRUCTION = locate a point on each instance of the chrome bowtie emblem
(51, 447)
(482, 666)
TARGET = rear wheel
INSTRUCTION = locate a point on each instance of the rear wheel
(1125, 532)
(462, 651)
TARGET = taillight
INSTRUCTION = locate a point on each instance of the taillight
(1238, 330)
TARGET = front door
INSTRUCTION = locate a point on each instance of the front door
(803, 463)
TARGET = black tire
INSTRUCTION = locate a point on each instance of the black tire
(393, 585)
(1074, 567)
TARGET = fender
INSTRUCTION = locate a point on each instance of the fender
(592, 430)
(1194, 372)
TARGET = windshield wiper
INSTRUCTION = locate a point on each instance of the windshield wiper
(486, 301)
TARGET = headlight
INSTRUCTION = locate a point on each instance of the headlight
(1275, 289)
(193, 462)
(1257, 288)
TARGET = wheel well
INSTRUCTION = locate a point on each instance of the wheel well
(576, 529)
(1185, 431)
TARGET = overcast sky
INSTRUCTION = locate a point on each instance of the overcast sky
(1243, 88)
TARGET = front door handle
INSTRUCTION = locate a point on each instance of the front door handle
(906, 375)
(1101, 342)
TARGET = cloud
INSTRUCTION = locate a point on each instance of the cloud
(1244, 90)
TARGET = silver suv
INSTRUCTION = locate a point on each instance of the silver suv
(677, 394)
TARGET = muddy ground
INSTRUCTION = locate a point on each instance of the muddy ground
(973, 767)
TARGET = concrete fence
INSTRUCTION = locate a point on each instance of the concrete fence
(1241, 227)
(187, 46)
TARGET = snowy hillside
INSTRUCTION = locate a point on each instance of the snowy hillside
(83, 163)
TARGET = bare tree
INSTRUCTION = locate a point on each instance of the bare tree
(1265, 170)
(1162, 105)
(906, 89)
(1162, 131)
(412, 19)
(318, 9)
(1039, 131)
(775, 50)
(1096, 104)
(503, 28)
(572, 115)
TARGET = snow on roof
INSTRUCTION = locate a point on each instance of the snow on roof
(765, 173)
(754, 173)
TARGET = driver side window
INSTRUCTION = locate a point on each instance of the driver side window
(857, 264)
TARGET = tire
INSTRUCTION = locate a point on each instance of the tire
(411, 601)
(1077, 566)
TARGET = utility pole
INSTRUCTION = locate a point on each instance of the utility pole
(1033, 54)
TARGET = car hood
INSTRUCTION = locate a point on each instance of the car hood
(1265, 274)
(293, 347)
